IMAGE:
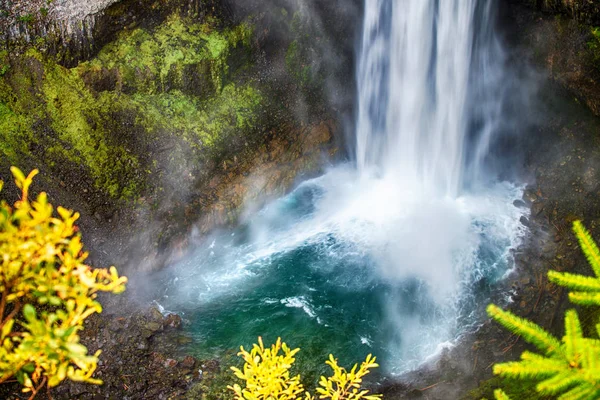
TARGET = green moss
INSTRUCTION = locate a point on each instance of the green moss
(79, 121)
(203, 125)
(15, 133)
(594, 46)
(146, 58)
(106, 114)
(296, 64)
(41, 95)
(303, 56)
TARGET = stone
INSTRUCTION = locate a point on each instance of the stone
(530, 197)
(172, 321)
(525, 221)
(188, 362)
(155, 314)
(537, 208)
(153, 326)
(142, 345)
(519, 204)
(525, 281)
(170, 363)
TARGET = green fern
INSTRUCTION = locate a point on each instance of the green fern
(586, 288)
(588, 246)
(567, 369)
(573, 364)
(535, 335)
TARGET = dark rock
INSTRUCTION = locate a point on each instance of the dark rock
(188, 362)
(519, 204)
(537, 208)
(530, 197)
(172, 321)
(525, 221)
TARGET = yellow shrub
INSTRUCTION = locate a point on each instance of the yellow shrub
(267, 377)
(43, 269)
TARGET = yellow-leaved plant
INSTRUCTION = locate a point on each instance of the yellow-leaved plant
(47, 293)
(266, 374)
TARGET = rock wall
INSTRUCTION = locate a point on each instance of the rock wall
(159, 124)
(73, 30)
(584, 11)
(563, 40)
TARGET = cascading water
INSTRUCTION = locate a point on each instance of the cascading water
(393, 255)
(422, 61)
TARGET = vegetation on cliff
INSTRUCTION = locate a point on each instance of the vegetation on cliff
(266, 376)
(167, 87)
(47, 293)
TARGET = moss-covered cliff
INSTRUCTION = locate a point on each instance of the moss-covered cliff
(112, 116)
(170, 115)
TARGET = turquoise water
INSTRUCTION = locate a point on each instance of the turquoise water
(349, 266)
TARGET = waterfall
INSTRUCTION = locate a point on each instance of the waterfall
(397, 253)
(423, 67)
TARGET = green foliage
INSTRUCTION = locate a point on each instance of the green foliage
(152, 60)
(47, 293)
(567, 369)
(266, 374)
(26, 18)
(594, 45)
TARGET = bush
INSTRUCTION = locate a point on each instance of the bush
(567, 369)
(47, 293)
(267, 377)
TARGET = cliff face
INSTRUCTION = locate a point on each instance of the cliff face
(584, 11)
(146, 114)
(563, 39)
(72, 31)
(156, 119)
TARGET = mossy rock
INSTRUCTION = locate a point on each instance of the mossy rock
(148, 102)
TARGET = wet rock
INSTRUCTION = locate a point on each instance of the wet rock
(537, 208)
(525, 281)
(188, 362)
(155, 314)
(183, 340)
(211, 366)
(525, 221)
(153, 326)
(519, 204)
(142, 345)
(530, 197)
(172, 321)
